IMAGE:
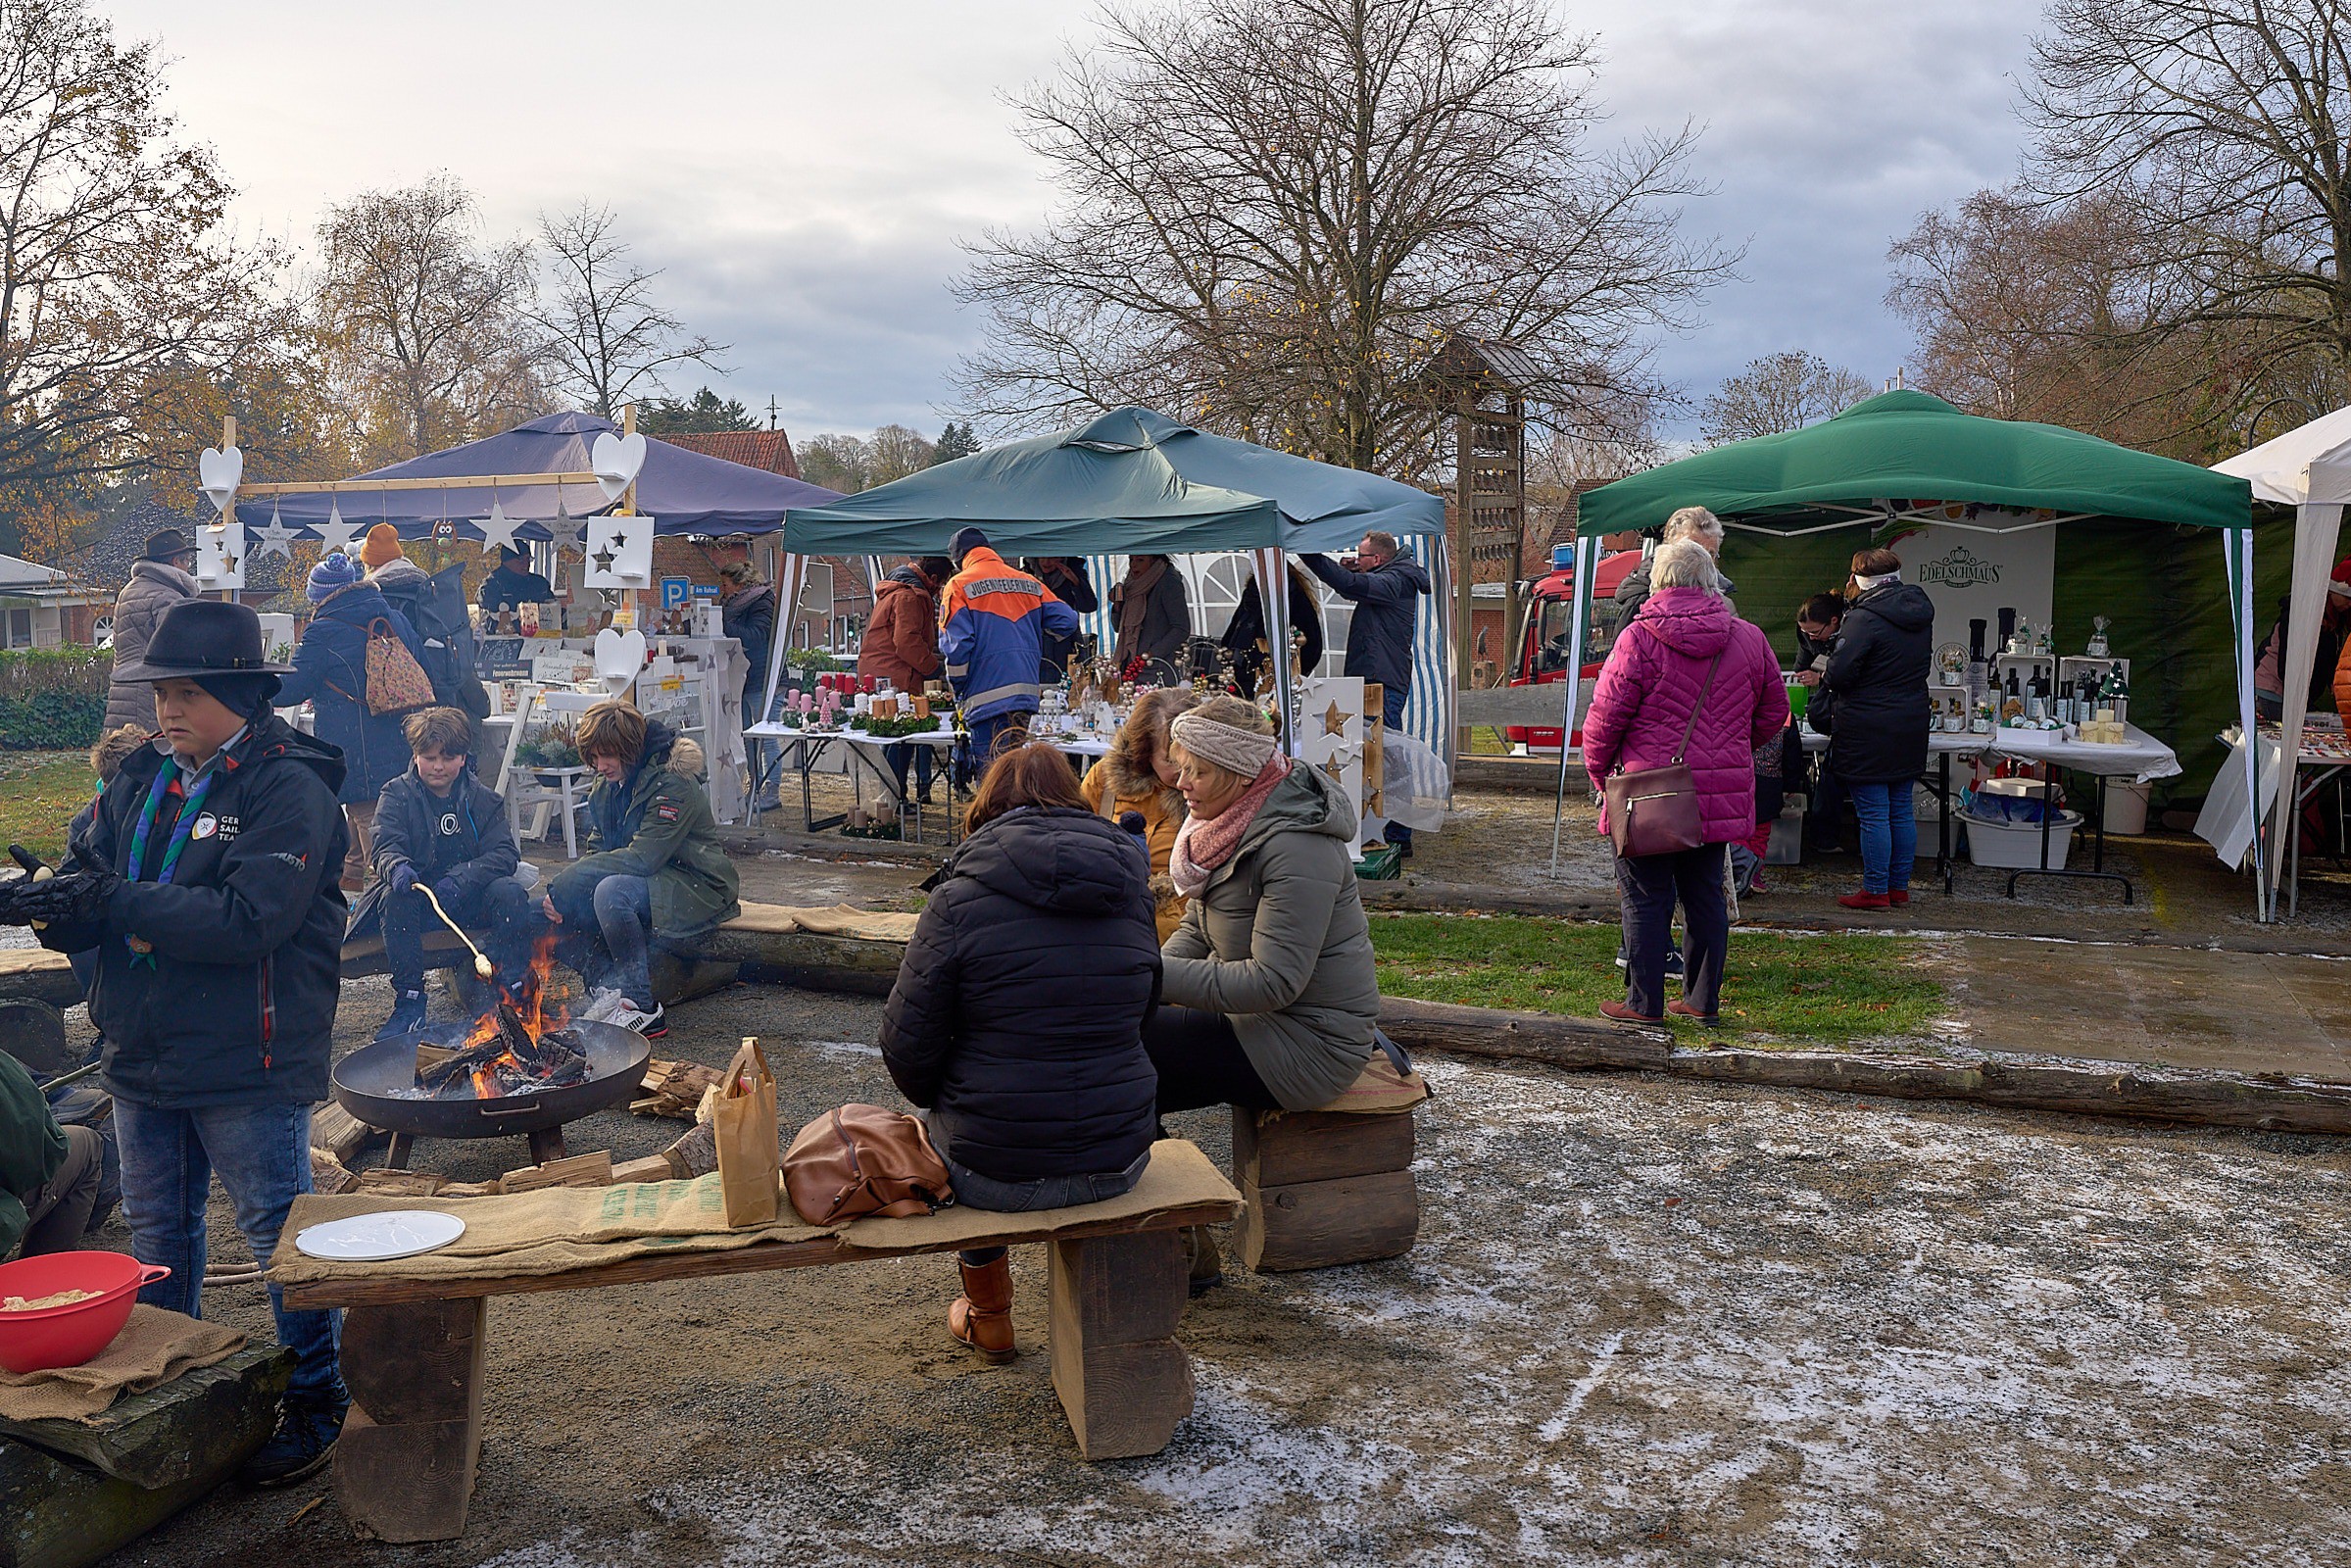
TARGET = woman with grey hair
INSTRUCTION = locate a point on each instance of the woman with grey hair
(1694, 524)
(1270, 998)
(1688, 682)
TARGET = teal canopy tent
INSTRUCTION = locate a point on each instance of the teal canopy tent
(1906, 460)
(1130, 482)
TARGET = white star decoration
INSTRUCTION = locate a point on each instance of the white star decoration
(275, 538)
(496, 529)
(335, 533)
(563, 532)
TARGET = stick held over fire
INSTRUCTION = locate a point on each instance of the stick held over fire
(516, 1048)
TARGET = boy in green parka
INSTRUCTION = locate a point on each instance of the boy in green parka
(656, 865)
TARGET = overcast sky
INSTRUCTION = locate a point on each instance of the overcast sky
(803, 170)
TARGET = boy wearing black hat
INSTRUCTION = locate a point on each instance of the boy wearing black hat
(206, 880)
(162, 576)
(512, 583)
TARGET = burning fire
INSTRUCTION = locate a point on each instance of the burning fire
(520, 1044)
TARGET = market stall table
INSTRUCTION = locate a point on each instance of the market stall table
(2140, 757)
(2322, 756)
(863, 749)
(1941, 747)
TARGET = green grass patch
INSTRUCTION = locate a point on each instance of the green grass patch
(39, 793)
(1826, 989)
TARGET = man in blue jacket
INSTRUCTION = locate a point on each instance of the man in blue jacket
(205, 878)
(1382, 583)
(992, 624)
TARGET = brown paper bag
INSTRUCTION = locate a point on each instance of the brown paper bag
(743, 1117)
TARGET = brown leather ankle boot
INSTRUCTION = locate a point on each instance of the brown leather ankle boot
(982, 1317)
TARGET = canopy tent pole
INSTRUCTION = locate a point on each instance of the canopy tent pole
(1273, 592)
(2316, 526)
(2236, 546)
(1587, 555)
(793, 574)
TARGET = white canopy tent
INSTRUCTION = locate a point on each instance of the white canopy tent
(2308, 468)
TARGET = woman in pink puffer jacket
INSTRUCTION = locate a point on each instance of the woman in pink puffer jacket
(1644, 697)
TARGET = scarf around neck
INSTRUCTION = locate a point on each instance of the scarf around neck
(1134, 600)
(1202, 844)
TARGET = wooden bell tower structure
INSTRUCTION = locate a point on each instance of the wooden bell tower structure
(1482, 386)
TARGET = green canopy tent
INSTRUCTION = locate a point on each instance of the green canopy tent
(1906, 459)
(1130, 482)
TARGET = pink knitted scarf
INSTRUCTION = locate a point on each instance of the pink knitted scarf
(1202, 844)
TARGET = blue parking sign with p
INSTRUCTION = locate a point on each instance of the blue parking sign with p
(675, 591)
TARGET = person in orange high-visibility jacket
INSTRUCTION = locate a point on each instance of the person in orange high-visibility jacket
(993, 622)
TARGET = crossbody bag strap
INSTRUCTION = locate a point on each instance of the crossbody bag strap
(1704, 687)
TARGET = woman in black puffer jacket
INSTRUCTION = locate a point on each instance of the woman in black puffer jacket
(1017, 1017)
(1876, 721)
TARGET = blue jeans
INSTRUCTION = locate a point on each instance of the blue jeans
(1890, 835)
(262, 1154)
(502, 909)
(987, 734)
(974, 1191)
(624, 916)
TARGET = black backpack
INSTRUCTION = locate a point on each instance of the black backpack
(436, 609)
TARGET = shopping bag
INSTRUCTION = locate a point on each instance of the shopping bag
(743, 1118)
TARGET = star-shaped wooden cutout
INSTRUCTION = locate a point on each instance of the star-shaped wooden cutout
(1334, 723)
(496, 529)
(603, 559)
(1336, 767)
(563, 532)
(276, 539)
(228, 566)
(335, 533)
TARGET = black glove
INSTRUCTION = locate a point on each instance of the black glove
(72, 899)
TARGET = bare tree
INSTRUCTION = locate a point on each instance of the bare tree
(2067, 311)
(849, 462)
(116, 271)
(1778, 392)
(1274, 212)
(430, 325)
(2224, 124)
(608, 341)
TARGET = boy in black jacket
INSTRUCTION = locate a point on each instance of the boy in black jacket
(438, 826)
(206, 879)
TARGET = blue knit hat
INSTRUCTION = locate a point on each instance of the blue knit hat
(333, 573)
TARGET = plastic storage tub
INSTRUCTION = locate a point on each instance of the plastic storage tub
(2016, 846)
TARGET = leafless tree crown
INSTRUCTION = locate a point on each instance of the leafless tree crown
(608, 341)
(1778, 392)
(2218, 129)
(1273, 212)
(431, 324)
(117, 272)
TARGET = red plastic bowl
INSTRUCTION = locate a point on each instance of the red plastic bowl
(68, 1336)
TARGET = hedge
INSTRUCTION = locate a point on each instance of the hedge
(52, 699)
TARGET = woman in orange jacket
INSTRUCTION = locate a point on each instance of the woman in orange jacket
(1138, 775)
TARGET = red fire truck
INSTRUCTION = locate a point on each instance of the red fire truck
(1543, 651)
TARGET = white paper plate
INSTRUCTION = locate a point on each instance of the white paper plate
(371, 1237)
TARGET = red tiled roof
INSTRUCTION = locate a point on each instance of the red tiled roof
(768, 450)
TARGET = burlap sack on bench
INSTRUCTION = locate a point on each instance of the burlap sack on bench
(543, 1232)
(839, 920)
(154, 1347)
(1179, 1176)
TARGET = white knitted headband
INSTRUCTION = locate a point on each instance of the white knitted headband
(1879, 581)
(1236, 750)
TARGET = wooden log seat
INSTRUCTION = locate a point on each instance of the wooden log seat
(1331, 1186)
(71, 1491)
(413, 1339)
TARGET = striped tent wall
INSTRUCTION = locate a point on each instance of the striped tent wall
(1429, 710)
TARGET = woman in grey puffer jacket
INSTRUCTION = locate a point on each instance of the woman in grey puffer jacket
(1270, 998)
(159, 579)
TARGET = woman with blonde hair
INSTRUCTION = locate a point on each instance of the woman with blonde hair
(1271, 999)
(1138, 775)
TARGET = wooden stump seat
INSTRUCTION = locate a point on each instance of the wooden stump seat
(413, 1348)
(1324, 1187)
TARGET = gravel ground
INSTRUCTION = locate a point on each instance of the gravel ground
(1648, 1323)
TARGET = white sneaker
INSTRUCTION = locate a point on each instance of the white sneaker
(652, 1025)
(605, 1005)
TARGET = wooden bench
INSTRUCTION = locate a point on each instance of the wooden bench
(413, 1348)
(1331, 1186)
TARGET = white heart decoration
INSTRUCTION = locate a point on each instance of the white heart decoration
(218, 474)
(616, 460)
(619, 656)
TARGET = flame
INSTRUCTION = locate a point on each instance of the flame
(534, 1010)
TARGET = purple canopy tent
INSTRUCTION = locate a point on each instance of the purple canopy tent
(682, 491)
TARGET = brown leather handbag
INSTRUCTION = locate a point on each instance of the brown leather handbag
(862, 1160)
(1654, 811)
